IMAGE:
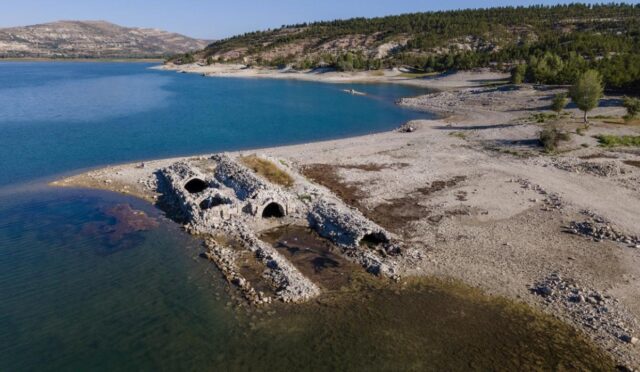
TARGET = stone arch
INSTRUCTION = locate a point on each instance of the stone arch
(374, 239)
(273, 210)
(196, 185)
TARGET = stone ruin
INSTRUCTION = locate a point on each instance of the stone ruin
(231, 200)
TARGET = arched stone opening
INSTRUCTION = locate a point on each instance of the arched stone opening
(374, 239)
(273, 210)
(196, 186)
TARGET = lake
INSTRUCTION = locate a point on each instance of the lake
(82, 287)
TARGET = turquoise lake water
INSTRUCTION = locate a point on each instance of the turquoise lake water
(57, 117)
(80, 289)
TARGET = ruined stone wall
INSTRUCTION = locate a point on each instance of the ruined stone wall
(230, 202)
(242, 180)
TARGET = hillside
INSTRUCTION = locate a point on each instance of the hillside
(92, 39)
(606, 37)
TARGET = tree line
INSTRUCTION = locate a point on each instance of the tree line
(555, 44)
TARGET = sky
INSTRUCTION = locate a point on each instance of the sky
(215, 19)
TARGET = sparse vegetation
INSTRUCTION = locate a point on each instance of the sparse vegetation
(517, 74)
(542, 117)
(587, 91)
(614, 141)
(551, 137)
(268, 170)
(417, 75)
(559, 102)
(460, 135)
(633, 107)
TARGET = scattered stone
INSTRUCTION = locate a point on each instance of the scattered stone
(406, 128)
(590, 308)
(600, 169)
(629, 339)
(551, 201)
(598, 229)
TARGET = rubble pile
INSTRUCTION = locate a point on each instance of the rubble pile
(597, 311)
(598, 229)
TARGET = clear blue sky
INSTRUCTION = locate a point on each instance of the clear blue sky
(212, 19)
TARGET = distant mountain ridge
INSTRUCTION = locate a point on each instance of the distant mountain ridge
(92, 39)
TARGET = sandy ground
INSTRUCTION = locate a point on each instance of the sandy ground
(478, 198)
(458, 80)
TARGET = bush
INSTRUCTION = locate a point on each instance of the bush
(541, 117)
(633, 107)
(550, 138)
(612, 141)
(517, 74)
(559, 102)
(344, 66)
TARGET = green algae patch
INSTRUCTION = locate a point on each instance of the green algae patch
(419, 324)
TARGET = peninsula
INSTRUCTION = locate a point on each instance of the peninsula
(471, 196)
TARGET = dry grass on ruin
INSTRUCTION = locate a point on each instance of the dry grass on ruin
(268, 170)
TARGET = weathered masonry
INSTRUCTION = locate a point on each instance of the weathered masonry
(219, 196)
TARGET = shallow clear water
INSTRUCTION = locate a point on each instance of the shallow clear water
(57, 117)
(85, 287)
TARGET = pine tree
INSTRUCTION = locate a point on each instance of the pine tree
(587, 91)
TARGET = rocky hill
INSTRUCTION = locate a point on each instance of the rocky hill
(557, 41)
(92, 39)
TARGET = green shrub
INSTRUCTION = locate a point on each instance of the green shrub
(542, 117)
(517, 74)
(559, 102)
(550, 138)
(612, 141)
(633, 107)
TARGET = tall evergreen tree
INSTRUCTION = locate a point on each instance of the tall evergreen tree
(587, 91)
